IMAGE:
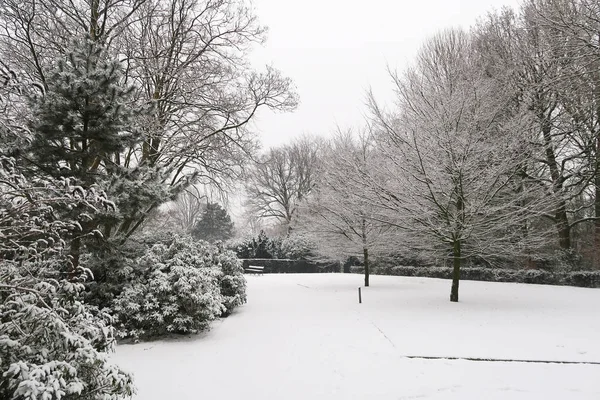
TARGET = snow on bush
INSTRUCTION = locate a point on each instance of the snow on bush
(260, 246)
(298, 246)
(53, 346)
(233, 282)
(179, 289)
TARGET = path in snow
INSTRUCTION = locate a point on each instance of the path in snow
(306, 337)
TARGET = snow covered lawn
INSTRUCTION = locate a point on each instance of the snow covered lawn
(306, 337)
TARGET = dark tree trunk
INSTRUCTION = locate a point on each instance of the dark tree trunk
(94, 23)
(560, 216)
(597, 201)
(455, 271)
(562, 224)
(365, 250)
(366, 262)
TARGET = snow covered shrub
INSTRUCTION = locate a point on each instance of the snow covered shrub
(52, 345)
(112, 268)
(297, 246)
(178, 291)
(114, 265)
(537, 276)
(232, 281)
(566, 260)
(259, 247)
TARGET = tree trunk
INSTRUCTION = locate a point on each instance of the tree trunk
(562, 224)
(455, 271)
(365, 250)
(596, 253)
(366, 262)
(560, 216)
(94, 23)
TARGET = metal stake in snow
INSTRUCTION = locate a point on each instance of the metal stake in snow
(359, 296)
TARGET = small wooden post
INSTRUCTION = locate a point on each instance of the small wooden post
(359, 297)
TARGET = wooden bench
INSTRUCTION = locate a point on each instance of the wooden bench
(254, 269)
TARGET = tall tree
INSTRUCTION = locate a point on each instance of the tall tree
(576, 24)
(282, 179)
(533, 58)
(452, 159)
(188, 57)
(337, 214)
(82, 124)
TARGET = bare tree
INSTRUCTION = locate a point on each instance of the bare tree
(553, 89)
(282, 179)
(452, 160)
(187, 208)
(576, 24)
(336, 214)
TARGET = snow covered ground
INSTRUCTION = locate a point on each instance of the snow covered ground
(306, 337)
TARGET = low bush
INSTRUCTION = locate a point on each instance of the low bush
(357, 269)
(113, 269)
(259, 247)
(115, 265)
(180, 287)
(295, 246)
(582, 278)
(232, 281)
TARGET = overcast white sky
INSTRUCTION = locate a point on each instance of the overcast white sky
(334, 50)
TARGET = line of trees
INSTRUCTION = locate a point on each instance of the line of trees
(490, 154)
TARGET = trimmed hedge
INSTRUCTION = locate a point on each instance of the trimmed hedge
(589, 279)
(281, 266)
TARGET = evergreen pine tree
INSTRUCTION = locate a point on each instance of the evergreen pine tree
(83, 122)
(215, 224)
(81, 126)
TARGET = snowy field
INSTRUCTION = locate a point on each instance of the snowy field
(306, 337)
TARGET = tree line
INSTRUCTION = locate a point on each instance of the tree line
(490, 153)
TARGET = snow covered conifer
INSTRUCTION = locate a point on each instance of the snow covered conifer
(84, 120)
(83, 128)
(215, 224)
